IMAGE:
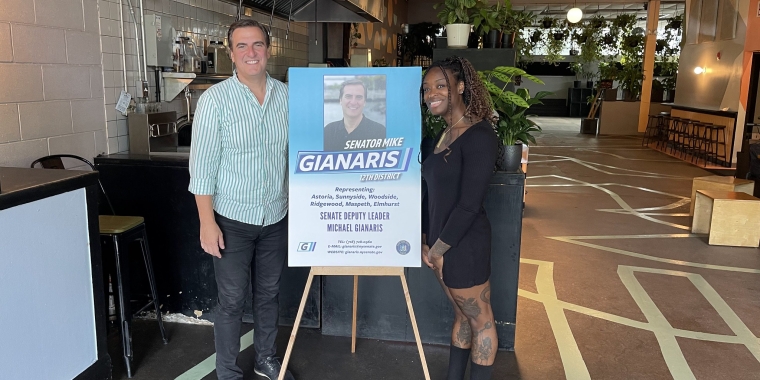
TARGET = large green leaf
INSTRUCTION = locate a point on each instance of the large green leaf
(514, 98)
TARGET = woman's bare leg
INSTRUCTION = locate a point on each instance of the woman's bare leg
(475, 304)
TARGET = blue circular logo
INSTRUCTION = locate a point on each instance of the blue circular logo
(403, 247)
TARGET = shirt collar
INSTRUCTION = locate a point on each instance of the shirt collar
(270, 81)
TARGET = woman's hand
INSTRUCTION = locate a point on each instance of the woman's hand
(437, 265)
(425, 250)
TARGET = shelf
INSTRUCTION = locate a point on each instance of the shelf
(174, 83)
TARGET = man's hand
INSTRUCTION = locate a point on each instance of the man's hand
(212, 239)
(425, 250)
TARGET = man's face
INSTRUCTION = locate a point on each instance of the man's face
(353, 100)
(249, 52)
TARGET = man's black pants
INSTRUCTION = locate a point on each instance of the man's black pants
(249, 249)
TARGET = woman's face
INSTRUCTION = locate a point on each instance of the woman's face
(435, 90)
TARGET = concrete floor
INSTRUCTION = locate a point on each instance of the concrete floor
(612, 285)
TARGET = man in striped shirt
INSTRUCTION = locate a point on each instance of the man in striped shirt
(238, 173)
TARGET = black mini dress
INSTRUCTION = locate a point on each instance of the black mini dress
(457, 181)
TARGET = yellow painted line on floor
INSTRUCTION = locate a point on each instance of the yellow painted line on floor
(572, 360)
(207, 366)
(572, 240)
(593, 166)
(623, 204)
(671, 351)
(656, 322)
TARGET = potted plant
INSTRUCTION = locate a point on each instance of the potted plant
(513, 127)
(658, 90)
(554, 46)
(669, 85)
(577, 69)
(512, 23)
(675, 23)
(630, 80)
(455, 15)
(548, 22)
(485, 20)
(597, 22)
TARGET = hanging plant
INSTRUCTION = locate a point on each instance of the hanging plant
(661, 44)
(548, 22)
(598, 22)
(559, 35)
(624, 22)
(633, 41)
(609, 40)
(536, 36)
(675, 23)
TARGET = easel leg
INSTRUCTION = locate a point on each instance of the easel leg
(414, 325)
(353, 321)
(295, 326)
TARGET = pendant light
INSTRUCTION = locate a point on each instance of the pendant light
(574, 15)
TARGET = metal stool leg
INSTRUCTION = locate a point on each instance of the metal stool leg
(124, 313)
(152, 280)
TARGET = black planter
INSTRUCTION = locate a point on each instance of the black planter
(473, 40)
(491, 40)
(628, 96)
(512, 158)
(657, 96)
(536, 37)
(589, 84)
(589, 126)
(508, 40)
(559, 36)
(547, 23)
(576, 84)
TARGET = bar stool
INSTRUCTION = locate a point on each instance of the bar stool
(651, 133)
(691, 144)
(674, 134)
(120, 231)
(712, 135)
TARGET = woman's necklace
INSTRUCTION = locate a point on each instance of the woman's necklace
(446, 131)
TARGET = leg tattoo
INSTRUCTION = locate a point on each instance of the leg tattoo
(485, 296)
(469, 306)
(482, 350)
(464, 335)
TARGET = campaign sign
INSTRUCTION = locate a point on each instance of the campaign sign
(354, 167)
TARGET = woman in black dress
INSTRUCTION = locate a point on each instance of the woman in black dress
(456, 233)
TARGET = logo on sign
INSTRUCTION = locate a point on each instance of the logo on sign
(403, 247)
(307, 246)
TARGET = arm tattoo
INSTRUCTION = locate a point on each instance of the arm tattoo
(439, 248)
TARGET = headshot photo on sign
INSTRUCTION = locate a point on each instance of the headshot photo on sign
(354, 112)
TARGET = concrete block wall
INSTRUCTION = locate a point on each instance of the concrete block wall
(198, 19)
(51, 80)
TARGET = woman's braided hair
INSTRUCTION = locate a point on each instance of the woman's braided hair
(475, 96)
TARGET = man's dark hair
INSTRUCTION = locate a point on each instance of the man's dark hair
(246, 23)
(351, 83)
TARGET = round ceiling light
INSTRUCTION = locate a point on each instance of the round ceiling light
(574, 15)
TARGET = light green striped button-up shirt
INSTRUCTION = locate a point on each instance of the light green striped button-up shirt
(239, 151)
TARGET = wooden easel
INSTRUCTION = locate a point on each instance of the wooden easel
(356, 272)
